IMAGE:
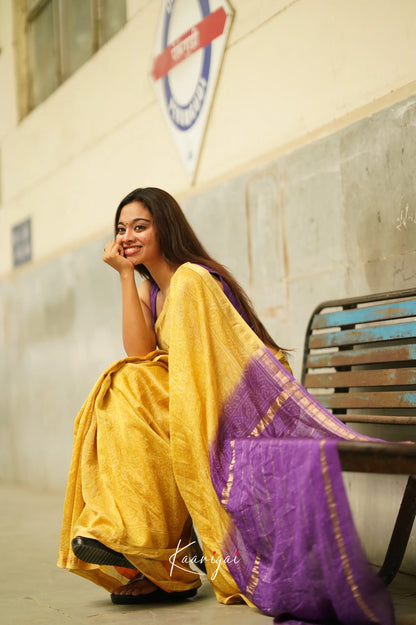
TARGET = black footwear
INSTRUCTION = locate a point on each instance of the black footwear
(156, 596)
(92, 551)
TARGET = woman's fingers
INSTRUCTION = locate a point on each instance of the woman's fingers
(112, 248)
(113, 256)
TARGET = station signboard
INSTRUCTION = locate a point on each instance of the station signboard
(189, 48)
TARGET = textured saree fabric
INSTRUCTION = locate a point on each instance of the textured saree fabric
(216, 427)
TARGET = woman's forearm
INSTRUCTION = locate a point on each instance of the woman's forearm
(138, 339)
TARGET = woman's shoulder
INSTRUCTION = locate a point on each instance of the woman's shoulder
(192, 273)
(144, 290)
(192, 268)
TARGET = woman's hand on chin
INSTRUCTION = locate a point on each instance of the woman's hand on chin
(114, 256)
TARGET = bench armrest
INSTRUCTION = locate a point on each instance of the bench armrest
(394, 458)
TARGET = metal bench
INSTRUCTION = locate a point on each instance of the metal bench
(360, 363)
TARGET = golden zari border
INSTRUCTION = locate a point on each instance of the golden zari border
(339, 538)
(254, 579)
(225, 495)
(290, 390)
(293, 389)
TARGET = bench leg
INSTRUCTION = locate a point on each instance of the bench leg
(401, 533)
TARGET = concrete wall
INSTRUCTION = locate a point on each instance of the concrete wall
(305, 189)
(293, 70)
(62, 317)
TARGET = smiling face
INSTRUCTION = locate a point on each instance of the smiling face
(137, 235)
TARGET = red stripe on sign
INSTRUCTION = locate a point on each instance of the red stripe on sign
(194, 39)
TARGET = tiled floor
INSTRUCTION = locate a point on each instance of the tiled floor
(35, 592)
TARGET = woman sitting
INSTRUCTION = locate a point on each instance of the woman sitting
(204, 421)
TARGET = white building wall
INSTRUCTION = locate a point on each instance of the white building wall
(293, 71)
(300, 184)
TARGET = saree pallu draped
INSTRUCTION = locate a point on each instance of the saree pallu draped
(214, 427)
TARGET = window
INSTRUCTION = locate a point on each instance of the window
(60, 35)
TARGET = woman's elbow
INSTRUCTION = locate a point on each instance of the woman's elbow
(139, 351)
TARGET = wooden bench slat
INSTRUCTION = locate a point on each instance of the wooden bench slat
(368, 400)
(388, 399)
(364, 335)
(365, 315)
(373, 377)
(370, 418)
(399, 353)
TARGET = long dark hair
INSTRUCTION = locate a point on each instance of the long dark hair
(179, 244)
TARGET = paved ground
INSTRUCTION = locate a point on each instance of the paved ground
(35, 592)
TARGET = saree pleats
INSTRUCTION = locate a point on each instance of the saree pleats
(219, 431)
(121, 488)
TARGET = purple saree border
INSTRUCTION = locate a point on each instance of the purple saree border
(268, 401)
(275, 468)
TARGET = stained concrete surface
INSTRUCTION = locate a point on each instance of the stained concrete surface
(334, 218)
(35, 592)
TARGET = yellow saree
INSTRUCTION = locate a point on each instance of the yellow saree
(141, 447)
(215, 428)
